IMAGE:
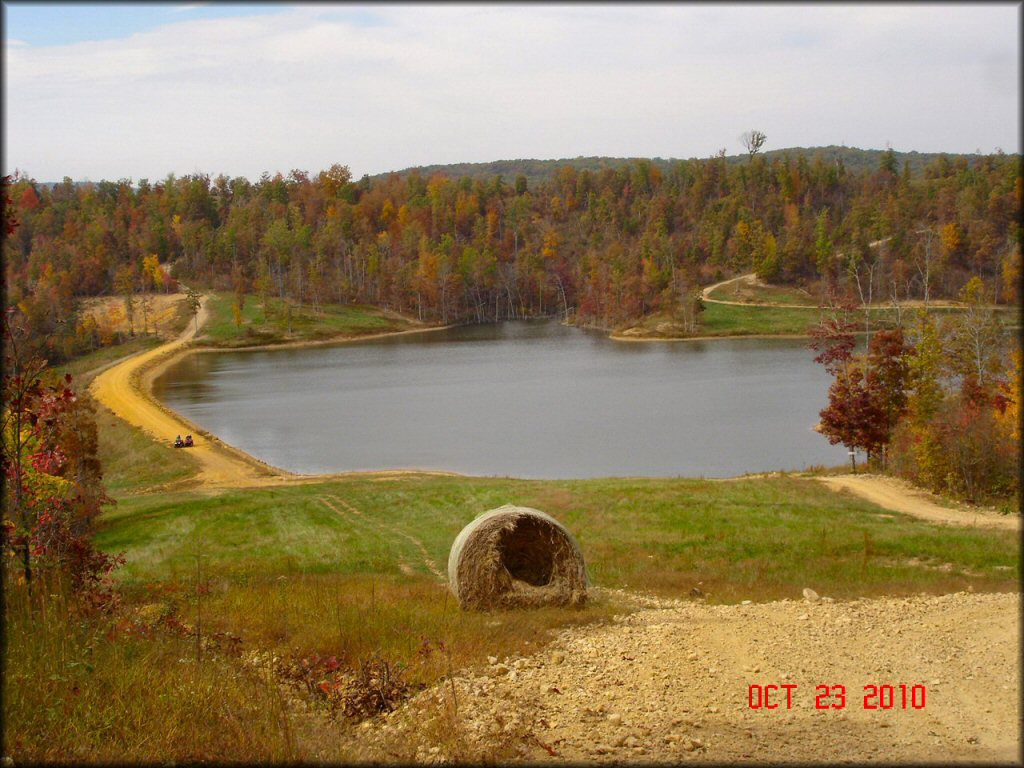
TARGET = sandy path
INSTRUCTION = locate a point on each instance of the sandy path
(124, 389)
(671, 684)
(705, 295)
(751, 278)
(900, 496)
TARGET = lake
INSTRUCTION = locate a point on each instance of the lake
(531, 399)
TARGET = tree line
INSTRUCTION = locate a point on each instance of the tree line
(606, 247)
(934, 399)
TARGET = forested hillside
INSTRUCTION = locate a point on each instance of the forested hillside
(538, 171)
(609, 246)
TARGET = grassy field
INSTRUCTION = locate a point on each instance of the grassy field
(760, 539)
(731, 320)
(737, 320)
(764, 293)
(272, 327)
(300, 575)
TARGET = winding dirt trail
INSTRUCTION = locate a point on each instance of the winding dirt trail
(751, 278)
(125, 388)
(900, 496)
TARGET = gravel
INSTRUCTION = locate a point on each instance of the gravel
(672, 683)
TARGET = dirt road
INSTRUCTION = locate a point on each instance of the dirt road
(672, 683)
(705, 295)
(751, 279)
(124, 389)
(900, 496)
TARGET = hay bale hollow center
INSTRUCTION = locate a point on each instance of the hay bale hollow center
(516, 557)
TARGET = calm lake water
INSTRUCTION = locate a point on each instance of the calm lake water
(523, 399)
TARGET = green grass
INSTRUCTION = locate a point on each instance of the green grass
(303, 573)
(257, 328)
(731, 320)
(85, 368)
(318, 570)
(738, 320)
(766, 294)
(760, 539)
(135, 463)
(734, 320)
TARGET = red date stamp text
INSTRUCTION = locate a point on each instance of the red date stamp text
(898, 696)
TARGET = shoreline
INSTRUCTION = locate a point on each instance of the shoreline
(125, 387)
(619, 337)
(304, 343)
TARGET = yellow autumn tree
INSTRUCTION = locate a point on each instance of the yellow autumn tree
(950, 235)
(1009, 418)
(152, 272)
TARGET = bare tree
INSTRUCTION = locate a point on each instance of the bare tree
(146, 305)
(753, 140)
(925, 257)
(861, 267)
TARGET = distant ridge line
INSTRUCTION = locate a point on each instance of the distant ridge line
(854, 159)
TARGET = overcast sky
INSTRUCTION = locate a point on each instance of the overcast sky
(120, 91)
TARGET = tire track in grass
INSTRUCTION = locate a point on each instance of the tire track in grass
(427, 560)
(357, 522)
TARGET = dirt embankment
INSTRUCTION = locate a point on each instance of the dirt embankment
(152, 313)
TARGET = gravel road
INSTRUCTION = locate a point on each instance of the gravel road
(671, 683)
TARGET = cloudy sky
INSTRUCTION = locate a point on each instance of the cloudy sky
(121, 91)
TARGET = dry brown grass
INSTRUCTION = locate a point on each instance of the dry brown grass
(163, 314)
(83, 688)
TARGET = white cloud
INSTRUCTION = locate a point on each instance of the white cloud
(392, 86)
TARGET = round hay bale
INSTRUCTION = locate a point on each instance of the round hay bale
(516, 557)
